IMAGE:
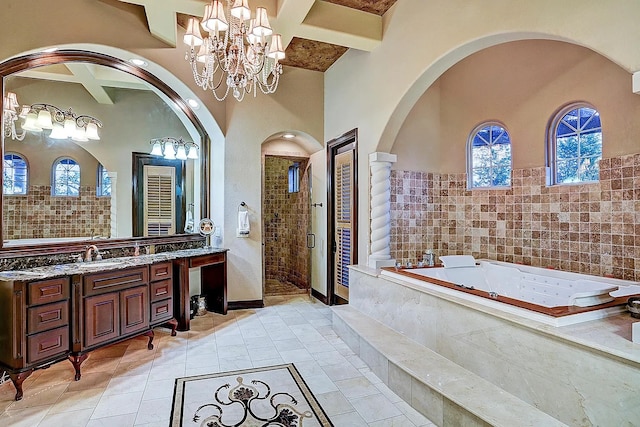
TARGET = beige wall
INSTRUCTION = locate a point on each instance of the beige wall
(510, 83)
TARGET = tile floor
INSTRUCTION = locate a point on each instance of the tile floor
(126, 384)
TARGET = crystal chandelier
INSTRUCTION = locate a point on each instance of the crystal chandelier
(11, 112)
(240, 53)
(63, 124)
(174, 148)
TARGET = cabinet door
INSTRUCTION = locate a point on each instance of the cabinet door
(134, 310)
(101, 318)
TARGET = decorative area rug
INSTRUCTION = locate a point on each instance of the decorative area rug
(269, 396)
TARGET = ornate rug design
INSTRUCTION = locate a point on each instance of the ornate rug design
(269, 396)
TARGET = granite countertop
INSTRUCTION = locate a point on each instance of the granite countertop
(48, 272)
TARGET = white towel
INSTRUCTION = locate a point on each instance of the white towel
(188, 224)
(456, 261)
(243, 223)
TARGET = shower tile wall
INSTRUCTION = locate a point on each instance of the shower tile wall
(588, 228)
(41, 215)
(286, 217)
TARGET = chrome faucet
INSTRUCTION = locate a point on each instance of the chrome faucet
(89, 250)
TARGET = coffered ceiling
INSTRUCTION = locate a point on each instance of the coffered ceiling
(315, 32)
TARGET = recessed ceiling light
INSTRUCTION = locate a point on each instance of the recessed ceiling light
(49, 50)
(193, 103)
(139, 62)
(288, 135)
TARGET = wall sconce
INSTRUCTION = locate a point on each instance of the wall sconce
(63, 124)
(11, 112)
(173, 148)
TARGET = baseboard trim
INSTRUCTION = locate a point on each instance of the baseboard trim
(317, 295)
(243, 305)
(338, 300)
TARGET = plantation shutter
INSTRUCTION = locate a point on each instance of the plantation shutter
(159, 200)
(343, 213)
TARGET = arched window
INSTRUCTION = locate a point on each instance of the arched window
(574, 145)
(15, 174)
(103, 184)
(66, 177)
(489, 156)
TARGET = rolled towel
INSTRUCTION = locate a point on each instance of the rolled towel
(457, 261)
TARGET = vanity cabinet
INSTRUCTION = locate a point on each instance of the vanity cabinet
(115, 304)
(46, 321)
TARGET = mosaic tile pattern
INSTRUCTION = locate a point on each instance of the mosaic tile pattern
(40, 215)
(586, 228)
(285, 220)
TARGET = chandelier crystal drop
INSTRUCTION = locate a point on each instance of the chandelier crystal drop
(239, 55)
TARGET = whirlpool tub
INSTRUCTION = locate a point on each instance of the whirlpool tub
(562, 297)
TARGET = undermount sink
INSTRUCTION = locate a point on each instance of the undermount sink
(98, 264)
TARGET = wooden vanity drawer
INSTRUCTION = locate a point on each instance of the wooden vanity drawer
(162, 270)
(161, 310)
(50, 316)
(161, 290)
(46, 291)
(115, 280)
(47, 344)
(199, 261)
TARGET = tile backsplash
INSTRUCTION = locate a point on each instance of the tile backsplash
(40, 215)
(587, 228)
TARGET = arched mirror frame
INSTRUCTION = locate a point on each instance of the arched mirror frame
(34, 60)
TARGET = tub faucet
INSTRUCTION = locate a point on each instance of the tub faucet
(89, 250)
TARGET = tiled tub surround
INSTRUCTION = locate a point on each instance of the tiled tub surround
(589, 228)
(286, 218)
(41, 215)
(582, 375)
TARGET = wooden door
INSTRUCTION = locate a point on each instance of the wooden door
(134, 309)
(343, 215)
(102, 318)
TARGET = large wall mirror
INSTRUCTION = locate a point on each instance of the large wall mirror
(59, 190)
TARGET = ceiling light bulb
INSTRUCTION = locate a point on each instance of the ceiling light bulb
(139, 62)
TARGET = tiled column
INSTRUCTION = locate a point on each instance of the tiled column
(380, 166)
(114, 206)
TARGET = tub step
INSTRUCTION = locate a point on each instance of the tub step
(441, 390)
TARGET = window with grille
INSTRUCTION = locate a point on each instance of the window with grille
(66, 177)
(103, 184)
(15, 174)
(574, 145)
(489, 156)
